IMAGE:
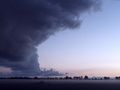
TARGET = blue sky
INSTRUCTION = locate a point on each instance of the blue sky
(92, 49)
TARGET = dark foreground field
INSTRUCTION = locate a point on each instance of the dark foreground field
(59, 84)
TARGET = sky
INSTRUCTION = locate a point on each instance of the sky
(92, 49)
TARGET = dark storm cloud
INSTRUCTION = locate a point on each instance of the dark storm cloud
(24, 24)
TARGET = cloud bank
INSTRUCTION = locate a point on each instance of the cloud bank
(25, 24)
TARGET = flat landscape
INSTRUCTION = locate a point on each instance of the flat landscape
(30, 84)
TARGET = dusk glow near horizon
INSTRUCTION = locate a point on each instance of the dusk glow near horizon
(93, 49)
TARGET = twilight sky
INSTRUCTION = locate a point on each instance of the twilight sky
(92, 49)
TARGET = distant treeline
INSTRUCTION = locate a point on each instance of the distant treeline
(64, 78)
